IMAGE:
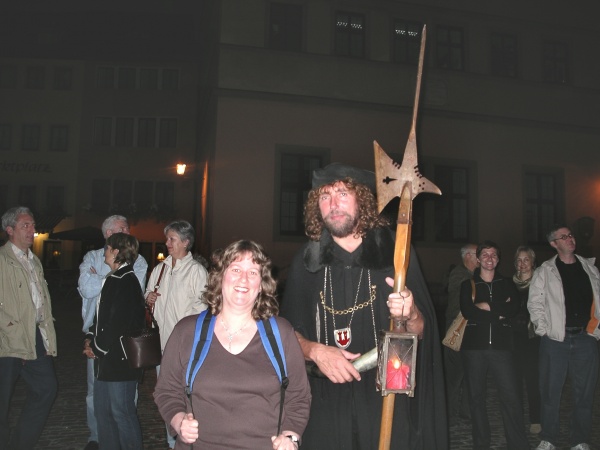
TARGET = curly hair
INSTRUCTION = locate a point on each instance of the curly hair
(126, 244)
(368, 217)
(266, 304)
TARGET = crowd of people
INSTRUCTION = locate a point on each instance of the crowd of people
(239, 372)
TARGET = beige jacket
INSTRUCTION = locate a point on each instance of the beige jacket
(17, 312)
(180, 292)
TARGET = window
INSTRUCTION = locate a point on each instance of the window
(8, 77)
(164, 198)
(126, 78)
(285, 27)
(31, 137)
(63, 78)
(142, 196)
(555, 62)
(35, 77)
(27, 197)
(294, 169)
(504, 55)
(100, 196)
(5, 136)
(149, 79)
(407, 41)
(168, 133)
(55, 199)
(121, 196)
(349, 34)
(3, 197)
(450, 47)
(146, 132)
(543, 203)
(170, 79)
(103, 131)
(449, 217)
(59, 138)
(124, 132)
(105, 77)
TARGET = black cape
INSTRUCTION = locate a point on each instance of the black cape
(348, 415)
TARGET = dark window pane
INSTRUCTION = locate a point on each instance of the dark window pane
(285, 27)
(126, 78)
(168, 133)
(451, 213)
(146, 132)
(35, 77)
(142, 196)
(164, 198)
(350, 34)
(121, 199)
(170, 79)
(31, 137)
(124, 132)
(149, 79)
(450, 48)
(27, 197)
(59, 138)
(541, 205)
(555, 62)
(105, 77)
(103, 131)
(504, 55)
(3, 197)
(63, 78)
(55, 200)
(8, 77)
(100, 196)
(5, 136)
(407, 41)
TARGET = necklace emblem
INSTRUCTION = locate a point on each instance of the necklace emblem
(343, 337)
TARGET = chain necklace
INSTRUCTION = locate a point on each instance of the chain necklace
(231, 335)
(343, 336)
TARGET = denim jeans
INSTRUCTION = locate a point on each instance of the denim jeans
(500, 364)
(89, 400)
(40, 378)
(577, 358)
(116, 415)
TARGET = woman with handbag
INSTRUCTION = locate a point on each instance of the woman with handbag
(235, 398)
(175, 286)
(487, 347)
(120, 311)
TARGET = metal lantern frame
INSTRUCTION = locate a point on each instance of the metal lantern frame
(397, 347)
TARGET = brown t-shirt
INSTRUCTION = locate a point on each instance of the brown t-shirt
(235, 397)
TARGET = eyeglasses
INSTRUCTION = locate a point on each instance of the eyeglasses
(564, 237)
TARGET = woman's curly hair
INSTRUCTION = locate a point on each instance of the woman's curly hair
(368, 217)
(266, 304)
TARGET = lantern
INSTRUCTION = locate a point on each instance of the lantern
(397, 363)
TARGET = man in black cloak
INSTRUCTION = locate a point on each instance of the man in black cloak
(338, 296)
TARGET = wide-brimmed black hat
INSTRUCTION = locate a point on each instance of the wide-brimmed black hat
(337, 171)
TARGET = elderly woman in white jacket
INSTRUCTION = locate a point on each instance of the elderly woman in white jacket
(178, 292)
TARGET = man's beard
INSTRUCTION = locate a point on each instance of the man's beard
(341, 229)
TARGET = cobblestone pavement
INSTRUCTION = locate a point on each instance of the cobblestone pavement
(66, 428)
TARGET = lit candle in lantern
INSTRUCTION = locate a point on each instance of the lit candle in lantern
(396, 375)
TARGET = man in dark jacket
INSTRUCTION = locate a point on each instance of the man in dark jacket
(338, 297)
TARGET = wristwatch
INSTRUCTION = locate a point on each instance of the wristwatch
(294, 439)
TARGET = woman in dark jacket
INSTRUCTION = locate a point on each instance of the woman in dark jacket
(120, 310)
(488, 302)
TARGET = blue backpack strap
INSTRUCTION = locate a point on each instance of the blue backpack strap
(271, 339)
(205, 326)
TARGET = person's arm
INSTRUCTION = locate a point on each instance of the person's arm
(536, 304)
(89, 284)
(404, 310)
(477, 312)
(140, 267)
(334, 362)
(197, 286)
(510, 307)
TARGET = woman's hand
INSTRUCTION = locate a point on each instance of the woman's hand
(186, 427)
(151, 298)
(87, 350)
(283, 442)
(403, 309)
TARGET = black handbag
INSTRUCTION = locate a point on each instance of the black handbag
(142, 348)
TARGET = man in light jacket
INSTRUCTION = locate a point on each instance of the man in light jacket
(27, 336)
(565, 310)
(92, 272)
